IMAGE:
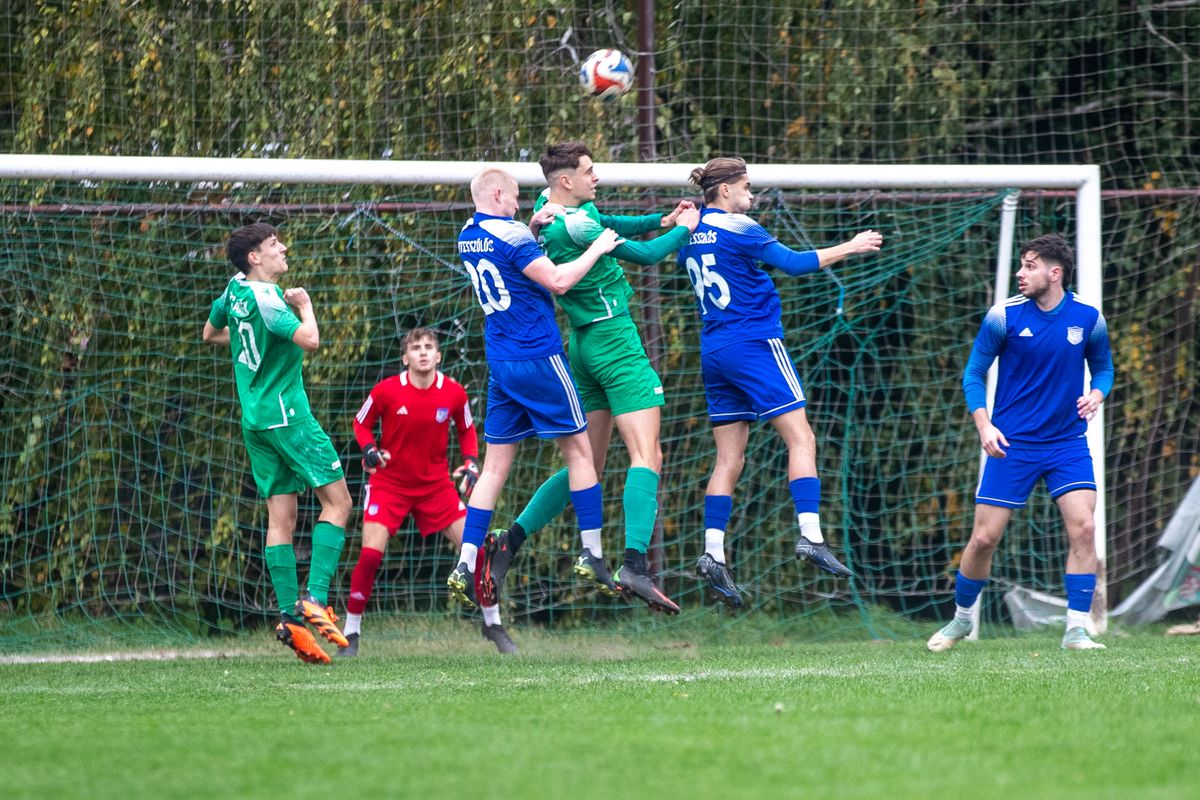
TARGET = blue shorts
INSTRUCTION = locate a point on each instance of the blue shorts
(1007, 482)
(532, 398)
(751, 380)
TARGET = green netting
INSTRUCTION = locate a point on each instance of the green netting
(127, 504)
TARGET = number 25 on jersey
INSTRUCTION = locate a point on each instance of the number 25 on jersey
(707, 281)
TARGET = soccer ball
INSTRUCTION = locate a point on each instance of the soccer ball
(606, 74)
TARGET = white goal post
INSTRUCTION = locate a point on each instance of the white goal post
(1083, 180)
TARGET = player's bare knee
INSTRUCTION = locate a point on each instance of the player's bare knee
(1081, 534)
(651, 460)
(985, 540)
(730, 465)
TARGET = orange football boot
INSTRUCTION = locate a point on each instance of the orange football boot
(320, 617)
(296, 636)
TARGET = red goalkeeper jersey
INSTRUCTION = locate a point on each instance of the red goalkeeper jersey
(416, 429)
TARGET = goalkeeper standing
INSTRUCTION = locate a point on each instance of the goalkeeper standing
(288, 449)
(414, 410)
(616, 382)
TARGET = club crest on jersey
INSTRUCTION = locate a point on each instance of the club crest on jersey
(443, 414)
(1074, 334)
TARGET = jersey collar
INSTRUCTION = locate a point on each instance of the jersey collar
(438, 379)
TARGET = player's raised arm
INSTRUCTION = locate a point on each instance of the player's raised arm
(308, 335)
(865, 242)
(559, 279)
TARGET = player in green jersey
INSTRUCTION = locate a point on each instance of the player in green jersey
(616, 382)
(268, 330)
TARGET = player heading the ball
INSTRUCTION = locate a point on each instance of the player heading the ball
(288, 449)
(748, 373)
(530, 388)
(1043, 337)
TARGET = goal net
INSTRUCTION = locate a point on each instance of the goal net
(128, 509)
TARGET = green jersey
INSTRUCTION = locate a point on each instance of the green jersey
(266, 362)
(604, 292)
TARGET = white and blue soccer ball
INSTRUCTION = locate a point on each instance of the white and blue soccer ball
(606, 74)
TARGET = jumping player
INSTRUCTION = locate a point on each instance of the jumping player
(530, 388)
(288, 449)
(616, 381)
(414, 410)
(748, 374)
(1043, 338)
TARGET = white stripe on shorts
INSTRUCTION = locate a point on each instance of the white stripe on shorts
(569, 387)
(785, 367)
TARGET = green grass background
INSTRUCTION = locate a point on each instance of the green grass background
(434, 712)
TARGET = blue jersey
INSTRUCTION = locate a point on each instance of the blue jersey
(1042, 354)
(518, 313)
(736, 298)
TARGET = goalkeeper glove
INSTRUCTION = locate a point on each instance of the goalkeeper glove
(469, 475)
(374, 458)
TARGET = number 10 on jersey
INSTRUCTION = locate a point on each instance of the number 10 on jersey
(493, 297)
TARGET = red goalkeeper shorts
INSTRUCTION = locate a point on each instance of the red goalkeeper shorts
(433, 508)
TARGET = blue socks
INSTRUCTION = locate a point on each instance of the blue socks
(806, 494)
(966, 590)
(1080, 588)
(475, 527)
(717, 508)
(589, 509)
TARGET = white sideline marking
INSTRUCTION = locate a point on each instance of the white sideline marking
(101, 658)
(426, 685)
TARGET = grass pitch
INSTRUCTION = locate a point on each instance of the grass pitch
(595, 716)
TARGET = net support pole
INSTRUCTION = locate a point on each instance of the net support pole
(1090, 269)
(648, 153)
(1004, 254)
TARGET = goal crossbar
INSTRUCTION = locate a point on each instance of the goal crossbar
(1082, 179)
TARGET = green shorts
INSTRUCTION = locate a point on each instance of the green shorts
(292, 458)
(611, 368)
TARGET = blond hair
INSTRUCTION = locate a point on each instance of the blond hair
(486, 181)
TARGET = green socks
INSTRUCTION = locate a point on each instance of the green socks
(281, 566)
(547, 503)
(641, 507)
(327, 540)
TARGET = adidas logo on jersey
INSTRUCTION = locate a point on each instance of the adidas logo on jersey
(1025, 333)
(402, 410)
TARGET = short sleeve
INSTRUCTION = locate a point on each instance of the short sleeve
(218, 317)
(525, 248)
(275, 313)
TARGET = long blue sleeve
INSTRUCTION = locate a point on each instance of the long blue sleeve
(792, 262)
(1099, 357)
(988, 344)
